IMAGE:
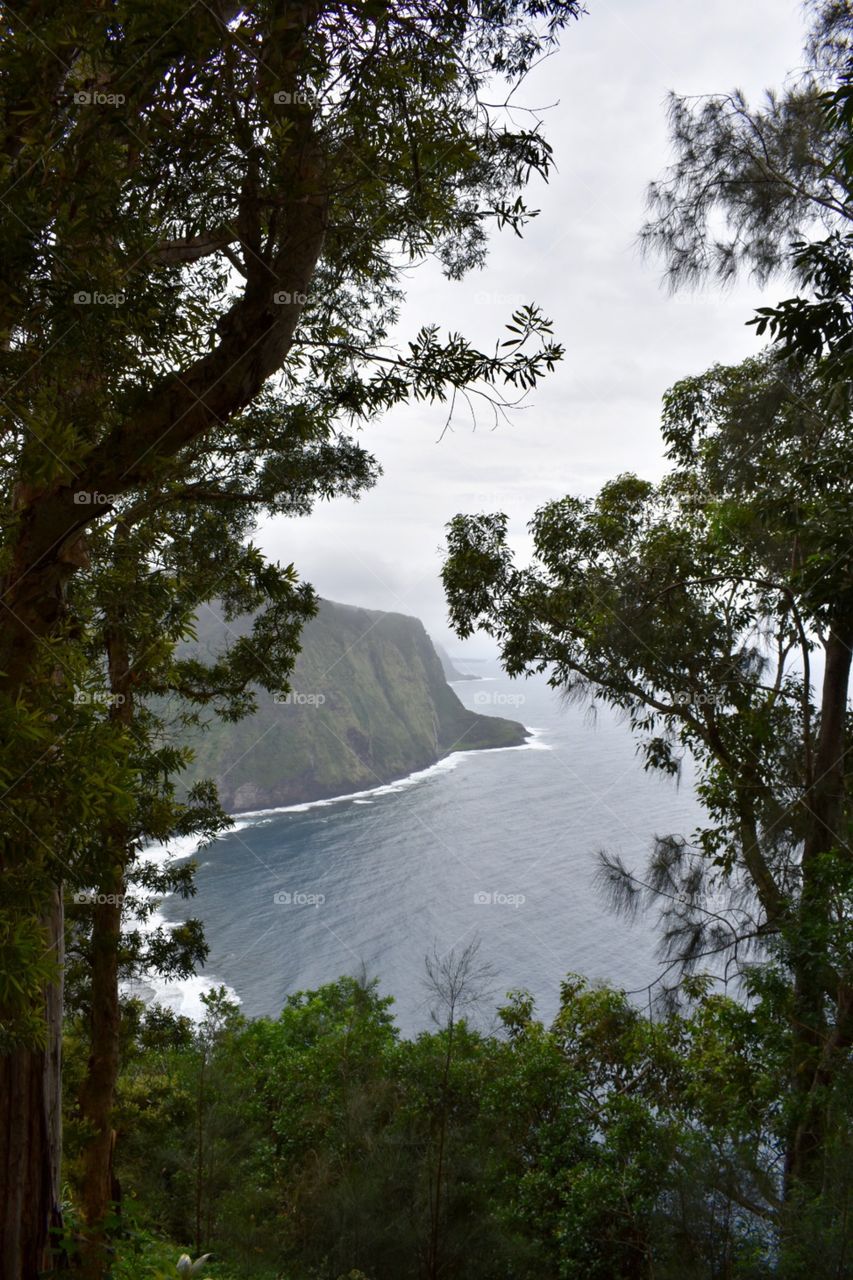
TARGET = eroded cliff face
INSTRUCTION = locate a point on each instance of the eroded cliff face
(369, 703)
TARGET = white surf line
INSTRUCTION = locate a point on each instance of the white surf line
(445, 765)
(188, 991)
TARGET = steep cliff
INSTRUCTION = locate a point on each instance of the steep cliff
(369, 703)
(451, 671)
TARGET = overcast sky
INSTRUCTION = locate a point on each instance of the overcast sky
(626, 338)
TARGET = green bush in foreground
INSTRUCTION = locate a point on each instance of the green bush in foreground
(607, 1145)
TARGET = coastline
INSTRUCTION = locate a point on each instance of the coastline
(184, 996)
(405, 780)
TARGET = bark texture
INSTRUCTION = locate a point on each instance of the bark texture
(31, 1152)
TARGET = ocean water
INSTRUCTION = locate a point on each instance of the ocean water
(495, 845)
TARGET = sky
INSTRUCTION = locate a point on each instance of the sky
(627, 339)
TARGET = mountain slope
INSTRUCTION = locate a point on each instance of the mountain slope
(369, 703)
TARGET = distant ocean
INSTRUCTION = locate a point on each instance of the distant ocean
(499, 845)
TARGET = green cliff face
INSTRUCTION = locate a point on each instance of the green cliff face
(369, 704)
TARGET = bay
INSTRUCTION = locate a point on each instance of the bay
(496, 845)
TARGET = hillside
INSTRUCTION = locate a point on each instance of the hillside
(369, 703)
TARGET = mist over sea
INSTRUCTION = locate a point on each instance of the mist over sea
(499, 845)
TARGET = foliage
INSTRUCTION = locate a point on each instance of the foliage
(207, 220)
(606, 1144)
(687, 606)
(768, 174)
(205, 238)
(694, 607)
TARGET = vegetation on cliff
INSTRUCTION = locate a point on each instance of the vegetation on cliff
(368, 702)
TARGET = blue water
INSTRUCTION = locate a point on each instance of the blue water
(377, 882)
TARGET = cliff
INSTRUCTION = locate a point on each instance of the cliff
(451, 671)
(369, 703)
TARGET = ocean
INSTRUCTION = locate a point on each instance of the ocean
(498, 846)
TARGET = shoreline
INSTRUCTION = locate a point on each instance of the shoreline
(442, 765)
(184, 996)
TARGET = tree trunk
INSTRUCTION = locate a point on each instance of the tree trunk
(814, 1058)
(199, 1162)
(31, 1111)
(433, 1257)
(97, 1094)
(30, 1078)
(256, 334)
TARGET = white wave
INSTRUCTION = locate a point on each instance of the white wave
(180, 847)
(185, 996)
(532, 744)
(445, 765)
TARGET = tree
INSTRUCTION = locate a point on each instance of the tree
(769, 174)
(752, 187)
(694, 608)
(323, 1080)
(608, 1144)
(197, 201)
(457, 981)
(820, 327)
(141, 596)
